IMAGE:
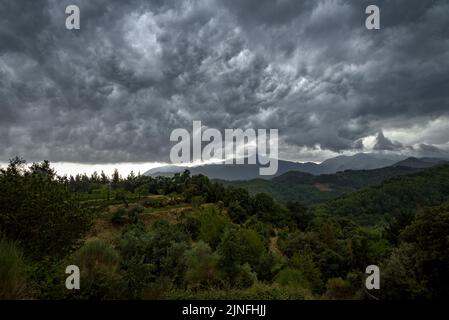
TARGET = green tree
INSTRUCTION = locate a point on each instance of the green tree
(300, 214)
(419, 268)
(309, 271)
(239, 246)
(202, 267)
(115, 180)
(212, 224)
(400, 278)
(236, 212)
(38, 211)
(399, 223)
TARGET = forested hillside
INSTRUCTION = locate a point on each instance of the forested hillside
(187, 237)
(311, 190)
(403, 193)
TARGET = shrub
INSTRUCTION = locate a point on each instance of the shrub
(158, 289)
(291, 277)
(338, 289)
(257, 292)
(118, 216)
(310, 272)
(241, 246)
(162, 236)
(236, 212)
(173, 265)
(197, 201)
(244, 277)
(192, 224)
(136, 277)
(96, 254)
(134, 212)
(134, 242)
(154, 202)
(211, 225)
(202, 266)
(13, 279)
(98, 263)
(268, 266)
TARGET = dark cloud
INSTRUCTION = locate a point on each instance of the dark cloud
(136, 70)
(431, 150)
(383, 143)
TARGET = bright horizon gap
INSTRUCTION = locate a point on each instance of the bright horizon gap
(124, 168)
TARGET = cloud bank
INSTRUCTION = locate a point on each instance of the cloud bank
(115, 89)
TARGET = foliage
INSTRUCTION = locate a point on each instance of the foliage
(13, 277)
(118, 216)
(38, 211)
(98, 263)
(239, 246)
(338, 289)
(297, 186)
(310, 273)
(188, 237)
(423, 257)
(211, 225)
(408, 192)
(202, 267)
(256, 292)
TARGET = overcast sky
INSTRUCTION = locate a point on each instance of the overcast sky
(113, 91)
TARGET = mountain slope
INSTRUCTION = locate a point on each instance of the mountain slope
(236, 171)
(310, 189)
(428, 187)
(420, 162)
(360, 161)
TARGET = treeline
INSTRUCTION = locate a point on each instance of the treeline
(198, 189)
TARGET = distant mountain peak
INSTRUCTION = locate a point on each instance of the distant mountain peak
(222, 171)
(413, 162)
(360, 161)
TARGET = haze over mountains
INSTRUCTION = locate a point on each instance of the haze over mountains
(360, 161)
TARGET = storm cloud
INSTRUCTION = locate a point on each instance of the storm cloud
(115, 89)
(383, 143)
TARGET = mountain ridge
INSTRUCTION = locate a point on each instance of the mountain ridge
(233, 172)
(314, 189)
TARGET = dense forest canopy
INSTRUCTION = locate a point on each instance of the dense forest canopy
(185, 236)
(312, 190)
